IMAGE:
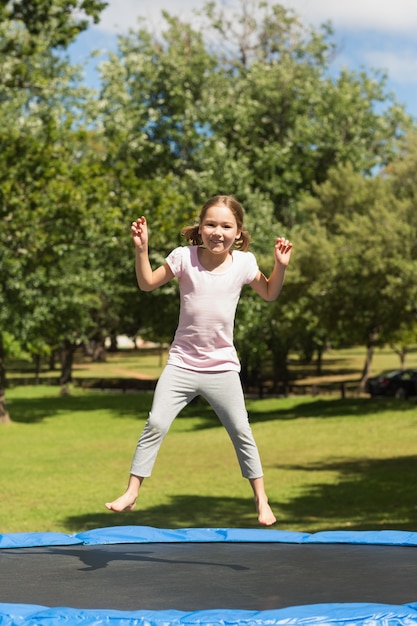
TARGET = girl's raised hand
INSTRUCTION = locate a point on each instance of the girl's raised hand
(282, 250)
(139, 232)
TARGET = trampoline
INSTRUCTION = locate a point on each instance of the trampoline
(135, 575)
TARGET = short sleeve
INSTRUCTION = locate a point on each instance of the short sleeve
(252, 267)
(175, 261)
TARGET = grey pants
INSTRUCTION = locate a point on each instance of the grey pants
(175, 389)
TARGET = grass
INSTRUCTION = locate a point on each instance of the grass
(329, 463)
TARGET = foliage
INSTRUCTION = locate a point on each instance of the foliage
(43, 160)
(59, 21)
(367, 288)
(238, 103)
(274, 115)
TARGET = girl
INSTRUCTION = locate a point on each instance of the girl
(202, 359)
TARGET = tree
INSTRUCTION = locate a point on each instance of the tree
(368, 286)
(60, 21)
(39, 111)
(272, 110)
(182, 116)
(253, 113)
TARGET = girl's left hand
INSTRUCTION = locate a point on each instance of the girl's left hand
(282, 250)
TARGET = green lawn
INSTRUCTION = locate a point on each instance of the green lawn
(329, 463)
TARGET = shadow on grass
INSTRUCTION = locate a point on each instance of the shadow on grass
(34, 410)
(274, 409)
(183, 511)
(137, 405)
(369, 495)
(332, 407)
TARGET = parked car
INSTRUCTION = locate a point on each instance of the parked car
(397, 383)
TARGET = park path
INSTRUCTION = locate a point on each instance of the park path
(138, 376)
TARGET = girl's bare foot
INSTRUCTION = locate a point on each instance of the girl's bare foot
(126, 502)
(265, 514)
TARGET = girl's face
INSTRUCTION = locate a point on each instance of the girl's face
(218, 229)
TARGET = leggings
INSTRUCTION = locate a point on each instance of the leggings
(176, 388)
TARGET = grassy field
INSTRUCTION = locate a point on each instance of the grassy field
(330, 463)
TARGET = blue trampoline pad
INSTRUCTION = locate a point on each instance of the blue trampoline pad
(140, 575)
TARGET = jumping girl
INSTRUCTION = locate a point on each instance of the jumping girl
(202, 359)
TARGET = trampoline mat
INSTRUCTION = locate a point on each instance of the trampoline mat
(199, 576)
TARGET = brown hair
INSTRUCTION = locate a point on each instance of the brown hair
(193, 236)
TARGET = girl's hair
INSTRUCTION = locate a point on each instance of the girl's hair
(191, 232)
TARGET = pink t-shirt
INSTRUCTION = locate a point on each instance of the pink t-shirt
(204, 337)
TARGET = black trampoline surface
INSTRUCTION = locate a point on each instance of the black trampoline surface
(200, 576)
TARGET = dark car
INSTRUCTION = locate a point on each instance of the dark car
(397, 383)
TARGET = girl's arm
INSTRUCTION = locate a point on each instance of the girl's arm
(148, 279)
(269, 288)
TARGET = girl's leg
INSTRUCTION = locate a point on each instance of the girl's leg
(224, 393)
(173, 392)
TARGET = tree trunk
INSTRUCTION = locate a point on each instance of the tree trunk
(113, 342)
(99, 352)
(52, 360)
(4, 415)
(402, 354)
(38, 362)
(319, 362)
(372, 340)
(280, 374)
(67, 360)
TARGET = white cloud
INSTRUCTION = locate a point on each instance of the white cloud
(372, 24)
(381, 34)
(399, 16)
(120, 15)
(379, 15)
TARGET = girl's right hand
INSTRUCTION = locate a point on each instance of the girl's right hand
(139, 232)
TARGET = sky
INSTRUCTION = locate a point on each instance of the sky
(369, 34)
